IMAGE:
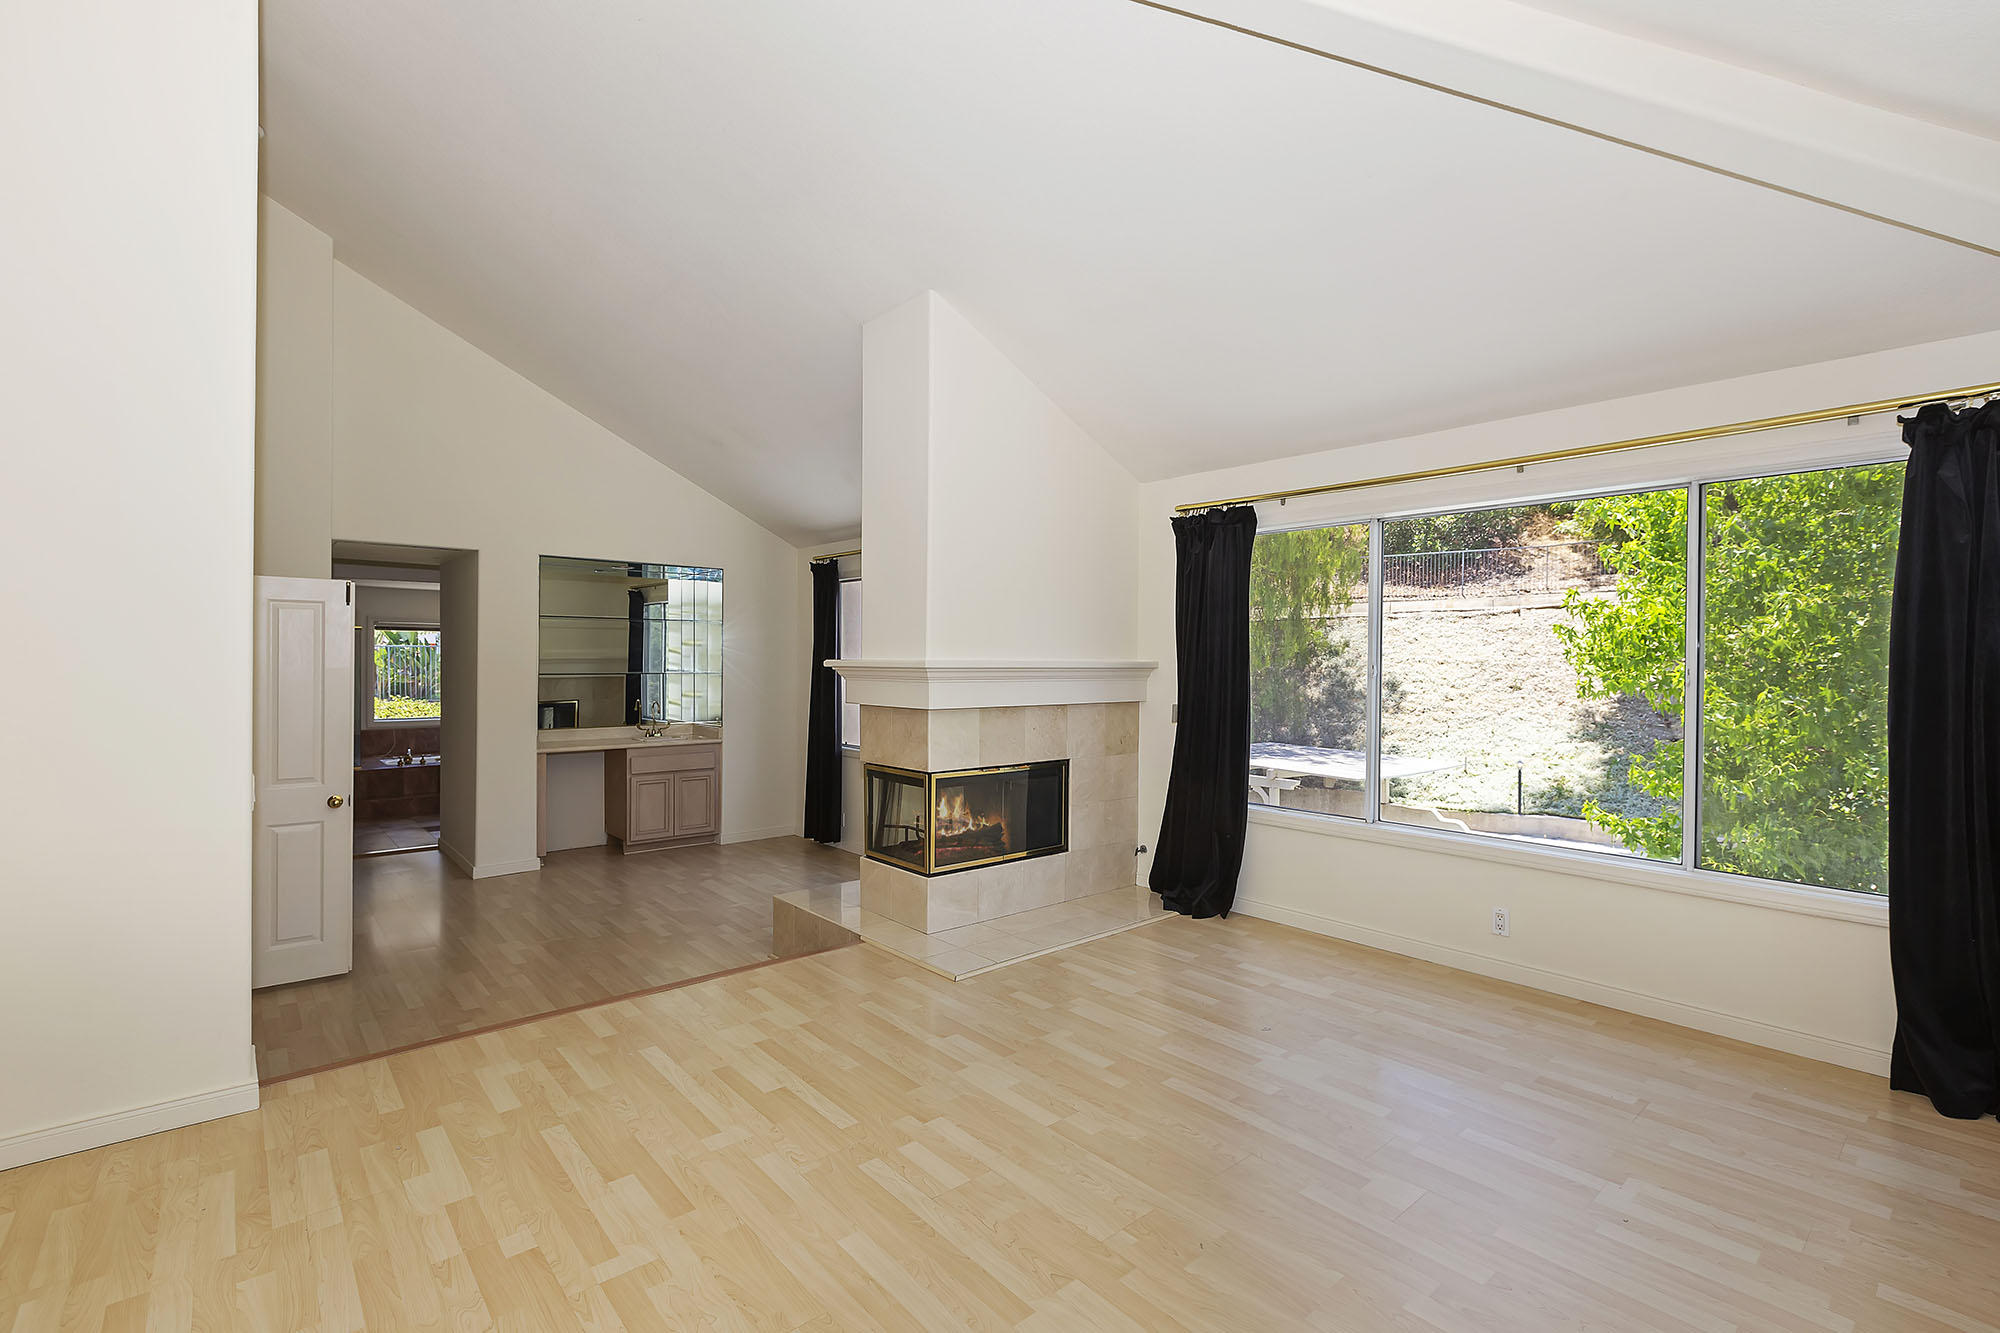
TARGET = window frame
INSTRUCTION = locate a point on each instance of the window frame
(374, 624)
(840, 681)
(1685, 875)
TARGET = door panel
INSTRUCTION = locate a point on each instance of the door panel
(652, 814)
(298, 861)
(302, 861)
(298, 682)
(694, 804)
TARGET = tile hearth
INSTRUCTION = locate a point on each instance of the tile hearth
(805, 919)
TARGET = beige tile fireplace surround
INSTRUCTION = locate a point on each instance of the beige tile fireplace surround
(1101, 742)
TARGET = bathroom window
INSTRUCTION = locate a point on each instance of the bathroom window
(409, 674)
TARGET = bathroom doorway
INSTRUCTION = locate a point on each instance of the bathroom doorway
(401, 643)
(399, 742)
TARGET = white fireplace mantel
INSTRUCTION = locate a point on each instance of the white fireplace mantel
(968, 684)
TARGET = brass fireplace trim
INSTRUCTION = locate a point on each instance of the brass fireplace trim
(931, 780)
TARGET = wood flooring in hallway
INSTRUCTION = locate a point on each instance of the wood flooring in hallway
(437, 953)
(1202, 1125)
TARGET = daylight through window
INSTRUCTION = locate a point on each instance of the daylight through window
(409, 674)
(1533, 679)
(850, 646)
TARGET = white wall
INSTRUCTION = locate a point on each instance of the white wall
(998, 529)
(1793, 979)
(576, 800)
(434, 443)
(895, 475)
(294, 395)
(458, 736)
(128, 255)
(1032, 555)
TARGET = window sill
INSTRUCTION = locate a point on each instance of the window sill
(398, 723)
(1838, 904)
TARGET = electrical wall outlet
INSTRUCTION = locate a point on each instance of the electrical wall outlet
(1499, 921)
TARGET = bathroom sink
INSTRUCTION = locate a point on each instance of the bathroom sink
(691, 731)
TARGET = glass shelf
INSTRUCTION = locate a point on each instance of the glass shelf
(627, 639)
(627, 620)
(613, 674)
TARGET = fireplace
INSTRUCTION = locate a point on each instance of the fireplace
(938, 823)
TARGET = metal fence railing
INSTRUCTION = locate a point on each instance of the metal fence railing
(1548, 567)
(409, 671)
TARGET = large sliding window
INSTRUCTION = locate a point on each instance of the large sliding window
(1513, 702)
(1528, 673)
(1309, 664)
(1796, 574)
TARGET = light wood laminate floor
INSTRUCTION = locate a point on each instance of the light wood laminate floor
(437, 953)
(1199, 1125)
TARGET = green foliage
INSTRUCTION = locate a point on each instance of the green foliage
(406, 659)
(1299, 682)
(1795, 677)
(1472, 530)
(1635, 644)
(1797, 573)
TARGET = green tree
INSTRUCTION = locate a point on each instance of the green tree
(1797, 571)
(1297, 579)
(1634, 643)
(394, 649)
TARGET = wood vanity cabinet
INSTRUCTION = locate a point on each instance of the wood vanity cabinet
(663, 795)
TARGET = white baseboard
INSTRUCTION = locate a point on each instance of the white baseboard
(1812, 1045)
(455, 856)
(759, 834)
(60, 1140)
(491, 868)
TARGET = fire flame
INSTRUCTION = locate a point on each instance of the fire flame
(955, 816)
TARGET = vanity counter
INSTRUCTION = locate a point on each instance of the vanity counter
(644, 793)
(569, 740)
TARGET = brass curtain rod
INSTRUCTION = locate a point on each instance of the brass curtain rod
(1616, 446)
(837, 555)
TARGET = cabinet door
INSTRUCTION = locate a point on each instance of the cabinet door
(650, 812)
(694, 803)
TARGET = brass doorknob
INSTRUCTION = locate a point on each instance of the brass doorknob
(335, 802)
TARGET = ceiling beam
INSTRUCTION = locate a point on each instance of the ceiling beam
(1725, 118)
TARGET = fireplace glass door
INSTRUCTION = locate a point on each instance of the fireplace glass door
(934, 823)
(897, 830)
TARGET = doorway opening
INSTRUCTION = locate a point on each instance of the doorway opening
(398, 741)
(401, 645)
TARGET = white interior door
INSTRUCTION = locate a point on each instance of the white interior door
(302, 875)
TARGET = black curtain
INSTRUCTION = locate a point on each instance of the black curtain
(1944, 764)
(823, 719)
(1200, 849)
(635, 655)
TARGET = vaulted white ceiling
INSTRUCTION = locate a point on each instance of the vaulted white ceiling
(1928, 58)
(676, 215)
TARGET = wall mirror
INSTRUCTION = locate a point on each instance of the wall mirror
(625, 643)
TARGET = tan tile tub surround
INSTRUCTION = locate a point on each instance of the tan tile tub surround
(1101, 741)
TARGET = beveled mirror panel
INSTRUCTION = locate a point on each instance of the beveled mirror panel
(625, 643)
